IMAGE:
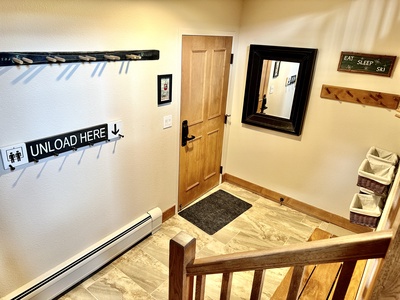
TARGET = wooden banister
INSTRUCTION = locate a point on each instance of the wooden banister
(339, 249)
(295, 282)
(226, 286)
(182, 250)
(184, 266)
(258, 282)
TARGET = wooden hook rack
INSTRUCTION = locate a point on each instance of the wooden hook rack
(30, 58)
(370, 98)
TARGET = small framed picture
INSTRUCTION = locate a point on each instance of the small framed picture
(277, 66)
(164, 88)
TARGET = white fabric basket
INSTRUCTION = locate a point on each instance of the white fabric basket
(377, 155)
(382, 173)
(369, 205)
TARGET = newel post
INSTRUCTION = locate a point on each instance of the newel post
(182, 250)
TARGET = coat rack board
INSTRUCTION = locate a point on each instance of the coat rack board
(29, 58)
(370, 98)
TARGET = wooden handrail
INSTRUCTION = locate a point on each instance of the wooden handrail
(184, 267)
(339, 249)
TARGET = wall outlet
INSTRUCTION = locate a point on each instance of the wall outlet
(167, 121)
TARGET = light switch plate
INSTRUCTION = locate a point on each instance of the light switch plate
(167, 121)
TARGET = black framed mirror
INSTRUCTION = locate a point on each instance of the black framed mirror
(278, 87)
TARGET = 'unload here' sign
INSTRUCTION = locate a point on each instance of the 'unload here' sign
(35, 150)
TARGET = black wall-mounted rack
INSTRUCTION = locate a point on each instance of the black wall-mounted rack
(31, 58)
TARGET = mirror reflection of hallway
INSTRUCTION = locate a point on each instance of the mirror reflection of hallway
(278, 70)
(277, 87)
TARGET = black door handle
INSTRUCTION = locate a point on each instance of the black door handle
(185, 133)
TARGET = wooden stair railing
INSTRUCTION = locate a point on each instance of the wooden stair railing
(184, 267)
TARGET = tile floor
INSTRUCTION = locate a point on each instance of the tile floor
(142, 272)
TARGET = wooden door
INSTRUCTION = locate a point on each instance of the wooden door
(205, 74)
(264, 82)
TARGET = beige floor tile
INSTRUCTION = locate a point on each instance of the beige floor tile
(116, 285)
(142, 272)
(78, 293)
(157, 246)
(143, 269)
(161, 293)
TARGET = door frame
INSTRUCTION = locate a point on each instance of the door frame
(229, 97)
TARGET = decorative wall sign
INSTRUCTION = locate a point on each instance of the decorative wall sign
(164, 88)
(291, 80)
(33, 151)
(381, 65)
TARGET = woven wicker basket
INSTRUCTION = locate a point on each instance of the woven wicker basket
(375, 177)
(364, 220)
(372, 185)
(359, 214)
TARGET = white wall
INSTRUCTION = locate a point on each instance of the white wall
(280, 94)
(54, 209)
(319, 167)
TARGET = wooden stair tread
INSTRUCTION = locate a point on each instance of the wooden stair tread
(319, 234)
(355, 281)
(319, 281)
(283, 288)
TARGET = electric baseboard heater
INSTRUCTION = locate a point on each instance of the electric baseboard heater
(71, 272)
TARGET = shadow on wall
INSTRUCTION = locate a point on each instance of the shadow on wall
(67, 71)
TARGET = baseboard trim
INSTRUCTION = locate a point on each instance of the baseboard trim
(169, 213)
(313, 211)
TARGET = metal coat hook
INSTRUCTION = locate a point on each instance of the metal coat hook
(59, 59)
(11, 167)
(55, 154)
(87, 58)
(133, 56)
(55, 59)
(22, 60)
(27, 60)
(17, 61)
(51, 59)
(74, 149)
(35, 160)
(112, 57)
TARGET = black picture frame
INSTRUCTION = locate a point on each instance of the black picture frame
(277, 67)
(257, 54)
(164, 88)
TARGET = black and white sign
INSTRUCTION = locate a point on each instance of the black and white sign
(33, 151)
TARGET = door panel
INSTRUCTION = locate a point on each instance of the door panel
(217, 90)
(196, 96)
(211, 164)
(193, 155)
(205, 75)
